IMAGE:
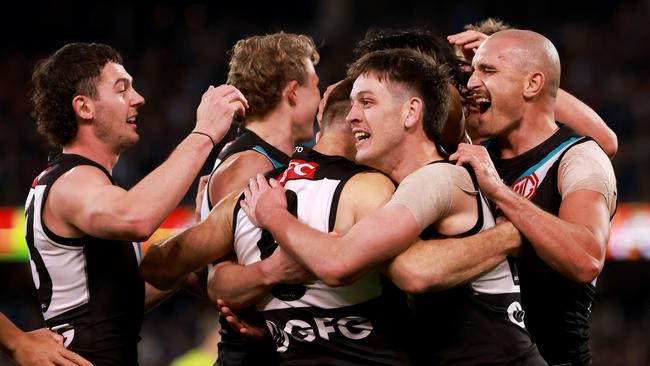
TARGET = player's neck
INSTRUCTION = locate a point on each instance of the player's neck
(534, 129)
(336, 145)
(275, 129)
(411, 157)
(94, 149)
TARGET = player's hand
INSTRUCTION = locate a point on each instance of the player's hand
(486, 173)
(217, 109)
(281, 268)
(468, 41)
(262, 199)
(242, 326)
(44, 347)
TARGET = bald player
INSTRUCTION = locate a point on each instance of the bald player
(558, 188)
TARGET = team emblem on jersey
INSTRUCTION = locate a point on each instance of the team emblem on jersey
(516, 314)
(298, 169)
(527, 186)
(350, 327)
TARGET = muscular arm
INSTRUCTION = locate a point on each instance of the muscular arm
(585, 121)
(168, 262)
(85, 202)
(434, 265)
(338, 260)
(573, 243)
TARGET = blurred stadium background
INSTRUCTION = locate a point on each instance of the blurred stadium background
(175, 49)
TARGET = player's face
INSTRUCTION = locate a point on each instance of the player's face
(375, 118)
(308, 98)
(116, 108)
(497, 86)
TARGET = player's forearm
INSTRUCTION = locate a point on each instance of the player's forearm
(585, 121)
(238, 285)
(149, 202)
(154, 296)
(570, 249)
(9, 335)
(435, 265)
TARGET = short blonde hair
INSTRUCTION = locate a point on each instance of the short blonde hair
(261, 67)
(489, 26)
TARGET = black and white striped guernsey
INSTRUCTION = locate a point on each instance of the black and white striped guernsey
(478, 323)
(314, 324)
(89, 288)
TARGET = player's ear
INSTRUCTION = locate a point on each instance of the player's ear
(84, 107)
(413, 112)
(533, 84)
(290, 92)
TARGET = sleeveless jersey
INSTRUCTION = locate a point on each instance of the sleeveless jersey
(89, 288)
(557, 309)
(477, 323)
(235, 349)
(247, 140)
(314, 324)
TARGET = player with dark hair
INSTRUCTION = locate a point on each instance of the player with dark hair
(82, 230)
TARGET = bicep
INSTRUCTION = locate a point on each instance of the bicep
(588, 209)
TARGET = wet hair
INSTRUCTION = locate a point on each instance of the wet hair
(419, 74)
(261, 67)
(421, 40)
(74, 69)
(337, 104)
(488, 26)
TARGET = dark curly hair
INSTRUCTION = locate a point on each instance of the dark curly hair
(72, 70)
(419, 73)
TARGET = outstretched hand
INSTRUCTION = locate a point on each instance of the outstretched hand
(468, 41)
(262, 199)
(44, 347)
(486, 174)
(242, 326)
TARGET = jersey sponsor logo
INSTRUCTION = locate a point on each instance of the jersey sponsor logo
(516, 314)
(298, 169)
(350, 327)
(527, 186)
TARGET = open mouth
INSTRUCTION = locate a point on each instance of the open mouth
(131, 120)
(482, 103)
(361, 136)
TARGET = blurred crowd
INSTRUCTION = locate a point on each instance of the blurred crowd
(174, 50)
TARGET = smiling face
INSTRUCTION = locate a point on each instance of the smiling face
(376, 119)
(116, 108)
(497, 85)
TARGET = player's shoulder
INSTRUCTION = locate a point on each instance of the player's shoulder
(371, 179)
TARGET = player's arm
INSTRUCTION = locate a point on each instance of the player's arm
(337, 260)
(168, 262)
(585, 121)
(233, 173)
(38, 347)
(573, 243)
(240, 285)
(97, 208)
(438, 264)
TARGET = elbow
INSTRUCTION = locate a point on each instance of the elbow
(589, 272)
(335, 275)
(611, 145)
(139, 229)
(416, 282)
